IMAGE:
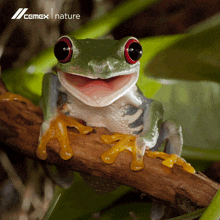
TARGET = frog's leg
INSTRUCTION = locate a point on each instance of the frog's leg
(151, 122)
(55, 126)
(55, 123)
(172, 134)
(153, 135)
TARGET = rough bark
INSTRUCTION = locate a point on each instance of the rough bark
(19, 129)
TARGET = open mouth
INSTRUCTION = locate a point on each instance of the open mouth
(97, 92)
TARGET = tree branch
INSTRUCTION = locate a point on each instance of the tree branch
(19, 129)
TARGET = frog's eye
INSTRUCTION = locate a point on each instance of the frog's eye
(63, 50)
(133, 51)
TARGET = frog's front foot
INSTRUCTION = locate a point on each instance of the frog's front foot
(125, 142)
(57, 128)
(171, 159)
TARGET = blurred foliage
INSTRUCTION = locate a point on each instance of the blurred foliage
(213, 212)
(195, 57)
(130, 211)
(194, 105)
(81, 200)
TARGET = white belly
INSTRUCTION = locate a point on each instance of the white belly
(110, 117)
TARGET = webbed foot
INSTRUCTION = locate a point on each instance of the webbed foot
(58, 129)
(171, 159)
(125, 142)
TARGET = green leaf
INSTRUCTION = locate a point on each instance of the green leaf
(201, 154)
(195, 106)
(80, 200)
(56, 197)
(189, 216)
(196, 56)
(213, 211)
(126, 212)
(151, 46)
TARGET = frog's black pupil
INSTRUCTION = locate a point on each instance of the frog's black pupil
(135, 51)
(61, 50)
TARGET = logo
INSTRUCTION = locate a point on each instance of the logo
(21, 13)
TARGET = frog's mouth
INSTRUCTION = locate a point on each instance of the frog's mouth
(97, 92)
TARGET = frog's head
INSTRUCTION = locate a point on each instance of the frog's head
(98, 72)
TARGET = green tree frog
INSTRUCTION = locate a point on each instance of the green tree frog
(96, 83)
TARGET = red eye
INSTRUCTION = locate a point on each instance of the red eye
(133, 51)
(63, 50)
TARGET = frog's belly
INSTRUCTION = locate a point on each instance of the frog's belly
(110, 117)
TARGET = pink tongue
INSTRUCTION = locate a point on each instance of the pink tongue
(97, 87)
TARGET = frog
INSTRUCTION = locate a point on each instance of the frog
(96, 82)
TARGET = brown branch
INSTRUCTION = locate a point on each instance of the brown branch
(19, 129)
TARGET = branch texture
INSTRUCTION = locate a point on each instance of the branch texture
(19, 129)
